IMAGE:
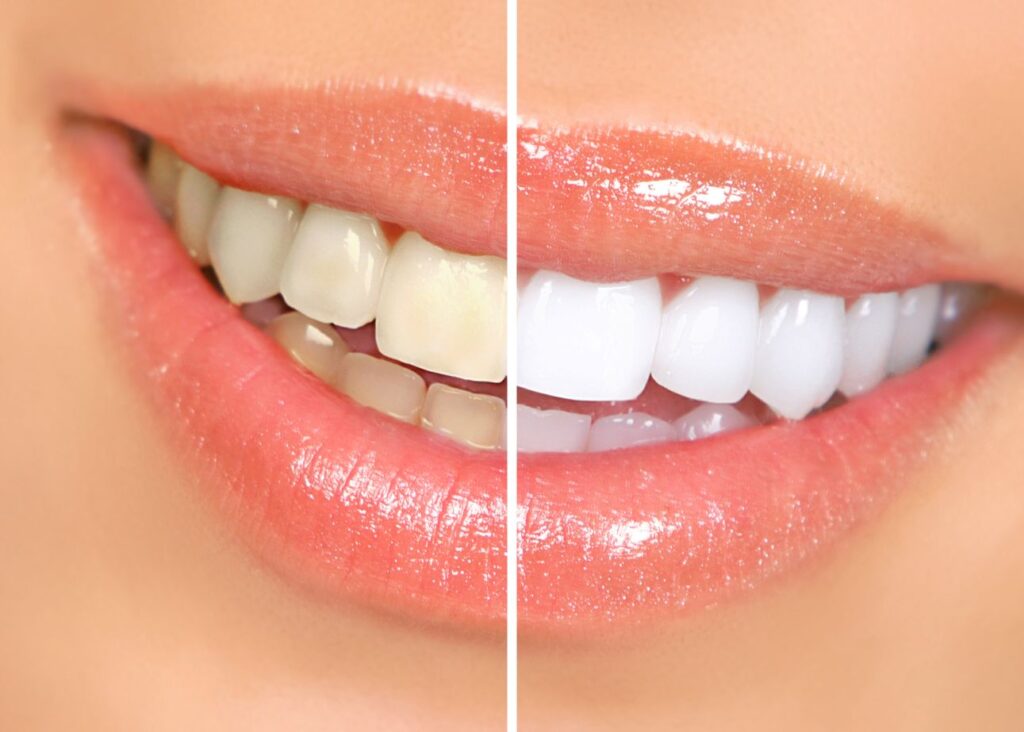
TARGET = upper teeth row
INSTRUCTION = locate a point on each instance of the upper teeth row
(440, 310)
(714, 341)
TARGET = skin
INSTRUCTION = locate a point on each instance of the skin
(915, 621)
(121, 589)
(125, 594)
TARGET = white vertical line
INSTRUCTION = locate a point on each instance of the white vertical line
(511, 501)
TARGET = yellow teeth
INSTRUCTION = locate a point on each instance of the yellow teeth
(162, 172)
(477, 420)
(316, 346)
(193, 211)
(443, 311)
(382, 385)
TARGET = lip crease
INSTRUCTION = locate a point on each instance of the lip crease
(334, 496)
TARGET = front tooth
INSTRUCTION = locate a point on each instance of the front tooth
(162, 171)
(799, 351)
(870, 326)
(551, 430)
(382, 385)
(335, 266)
(193, 211)
(443, 311)
(477, 420)
(249, 239)
(915, 326)
(711, 419)
(588, 341)
(628, 430)
(707, 340)
(316, 346)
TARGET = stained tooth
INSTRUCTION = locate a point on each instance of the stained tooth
(587, 341)
(799, 351)
(443, 311)
(476, 420)
(958, 300)
(382, 385)
(711, 419)
(628, 430)
(870, 326)
(316, 346)
(249, 239)
(915, 326)
(162, 170)
(552, 430)
(193, 211)
(707, 340)
(335, 266)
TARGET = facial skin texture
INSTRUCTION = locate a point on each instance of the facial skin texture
(125, 597)
(916, 622)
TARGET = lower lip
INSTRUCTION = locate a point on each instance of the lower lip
(334, 496)
(363, 508)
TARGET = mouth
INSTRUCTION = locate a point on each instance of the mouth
(728, 360)
(310, 285)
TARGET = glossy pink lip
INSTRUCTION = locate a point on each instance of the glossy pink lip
(335, 496)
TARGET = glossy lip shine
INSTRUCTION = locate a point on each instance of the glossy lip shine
(357, 505)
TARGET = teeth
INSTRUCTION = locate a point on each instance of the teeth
(443, 311)
(162, 170)
(959, 299)
(382, 385)
(915, 326)
(193, 211)
(707, 340)
(799, 351)
(552, 430)
(334, 268)
(870, 326)
(585, 340)
(711, 419)
(316, 346)
(477, 420)
(249, 239)
(628, 430)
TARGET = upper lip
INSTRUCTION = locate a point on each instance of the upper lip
(360, 504)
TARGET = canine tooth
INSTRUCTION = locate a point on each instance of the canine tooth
(249, 239)
(915, 326)
(552, 430)
(443, 311)
(335, 266)
(588, 341)
(707, 340)
(799, 351)
(870, 326)
(162, 170)
(477, 420)
(958, 300)
(711, 419)
(316, 346)
(628, 430)
(193, 211)
(382, 385)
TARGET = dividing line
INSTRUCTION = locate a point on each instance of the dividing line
(511, 300)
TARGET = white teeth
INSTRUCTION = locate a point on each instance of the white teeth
(958, 300)
(443, 311)
(628, 430)
(249, 239)
(194, 206)
(707, 340)
(799, 351)
(586, 340)
(552, 430)
(711, 419)
(335, 266)
(162, 170)
(915, 326)
(870, 326)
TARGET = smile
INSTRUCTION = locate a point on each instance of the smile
(725, 364)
